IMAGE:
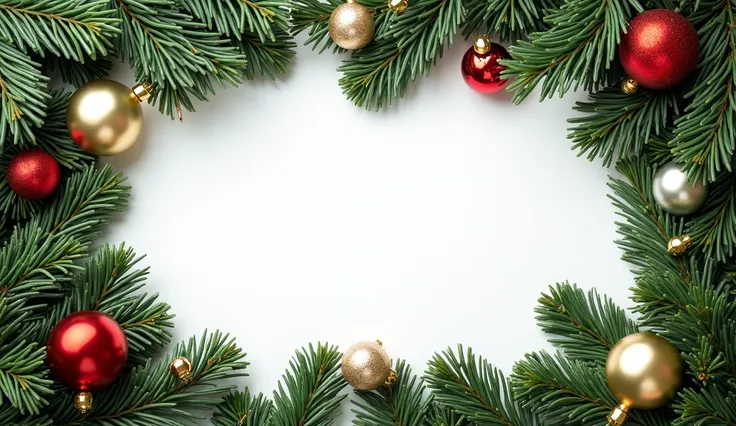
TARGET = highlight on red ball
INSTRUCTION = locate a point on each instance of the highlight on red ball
(33, 174)
(481, 68)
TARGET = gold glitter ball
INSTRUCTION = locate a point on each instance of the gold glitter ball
(351, 25)
(677, 246)
(366, 366)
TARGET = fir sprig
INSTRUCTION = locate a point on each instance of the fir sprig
(24, 381)
(714, 228)
(267, 58)
(576, 51)
(79, 73)
(243, 409)
(706, 406)
(232, 18)
(511, 20)
(475, 389)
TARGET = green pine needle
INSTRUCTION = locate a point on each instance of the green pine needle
(707, 406)
(23, 377)
(268, 58)
(714, 228)
(511, 20)
(243, 409)
(475, 389)
(79, 73)
(232, 18)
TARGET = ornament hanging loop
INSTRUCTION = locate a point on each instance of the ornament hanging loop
(629, 86)
(481, 44)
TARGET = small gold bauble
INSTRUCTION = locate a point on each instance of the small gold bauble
(366, 366)
(83, 402)
(398, 6)
(351, 25)
(677, 246)
(643, 371)
(629, 86)
(105, 117)
(181, 368)
(482, 44)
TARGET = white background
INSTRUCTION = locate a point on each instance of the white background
(283, 214)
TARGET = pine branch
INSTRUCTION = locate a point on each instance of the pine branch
(268, 58)
(71, 29)
(232, 18)
(309, 393)
(619, 124)
(511, 20)
(401, 404)
(707, 406)
(705, 134)
(151, 395)
(11, 417)
(476, 390)
(405, 50)
(443, 416)
(586, 328)
(79, 73)
(23, 377)
(577, 51)
(714, 228)
(566, 392)
(23, 94)
(242, 409)
(176, 54)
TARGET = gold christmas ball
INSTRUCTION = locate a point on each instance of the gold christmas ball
(398, 6)
(351, 25)
(105, 117)
(677, 246)
(644, 371)
(366, 366)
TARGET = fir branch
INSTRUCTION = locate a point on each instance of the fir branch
(242, 409)
(309, 394)
(443, 416)
(511, 20)
(475, 389)
(706, 406)
(585, 327)
(23, 380)
(79, 73)
(11, 417)
(397, 405)
(23, 94)
(150, 394)
(229, 17)
(705, 134)
(618, 124)
(406, 50)
(576, 51)
(71, 29)
(566, 392)
(269, 58)
(714, 228)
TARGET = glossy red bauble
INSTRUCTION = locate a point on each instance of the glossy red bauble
(660, 49)
(34, 174)
(87, 351)
(481, 69)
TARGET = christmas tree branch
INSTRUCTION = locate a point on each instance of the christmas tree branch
(150, 394)
(618, 124)
(79, 73)
(443, 416)
(566, 392)
(406, 48)
(23, 94)
(474, 389)
(585, 327)
(11, 417)
(23, 377)
(577, 50)
(309, 393)
(243, 409)
(397, 405)
(511, 20)
(232, 18)
(706, 406)
(705, 134)
(714, 228)
(267, 58)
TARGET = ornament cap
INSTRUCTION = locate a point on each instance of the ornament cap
(482, 44)
(83, 402)
(143, 91)
(398, 6)
(629, 86)
(182, 368)
(618, 415)
(677, 246)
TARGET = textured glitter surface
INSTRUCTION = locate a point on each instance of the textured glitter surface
(482, 72)
(366, 366)
(660, 49)
(351, 26)
(33, 174)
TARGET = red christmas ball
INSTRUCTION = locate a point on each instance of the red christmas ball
(86, 351)
(34, 174)
(660, 49)
(480, 66)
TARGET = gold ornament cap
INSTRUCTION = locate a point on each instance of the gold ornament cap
(618, 415)
(644, 371)
(398, 6)
(143, 91)
(482, 44)
(677, 246)
(629, 86)
(366, 366)
(181, 368)
(83, 402)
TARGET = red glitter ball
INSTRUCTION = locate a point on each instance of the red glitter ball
(660, 49)
(482, 71)
(33, 174)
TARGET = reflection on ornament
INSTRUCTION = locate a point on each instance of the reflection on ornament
(674, 194)
(480, 66)
(351, 25)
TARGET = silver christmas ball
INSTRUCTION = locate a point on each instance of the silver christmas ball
(674, 194)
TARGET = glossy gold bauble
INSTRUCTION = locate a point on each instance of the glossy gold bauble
(351, 25)
(644, 371)
(677, 246)
(366, 366)
(181, 367)
(105, 117)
